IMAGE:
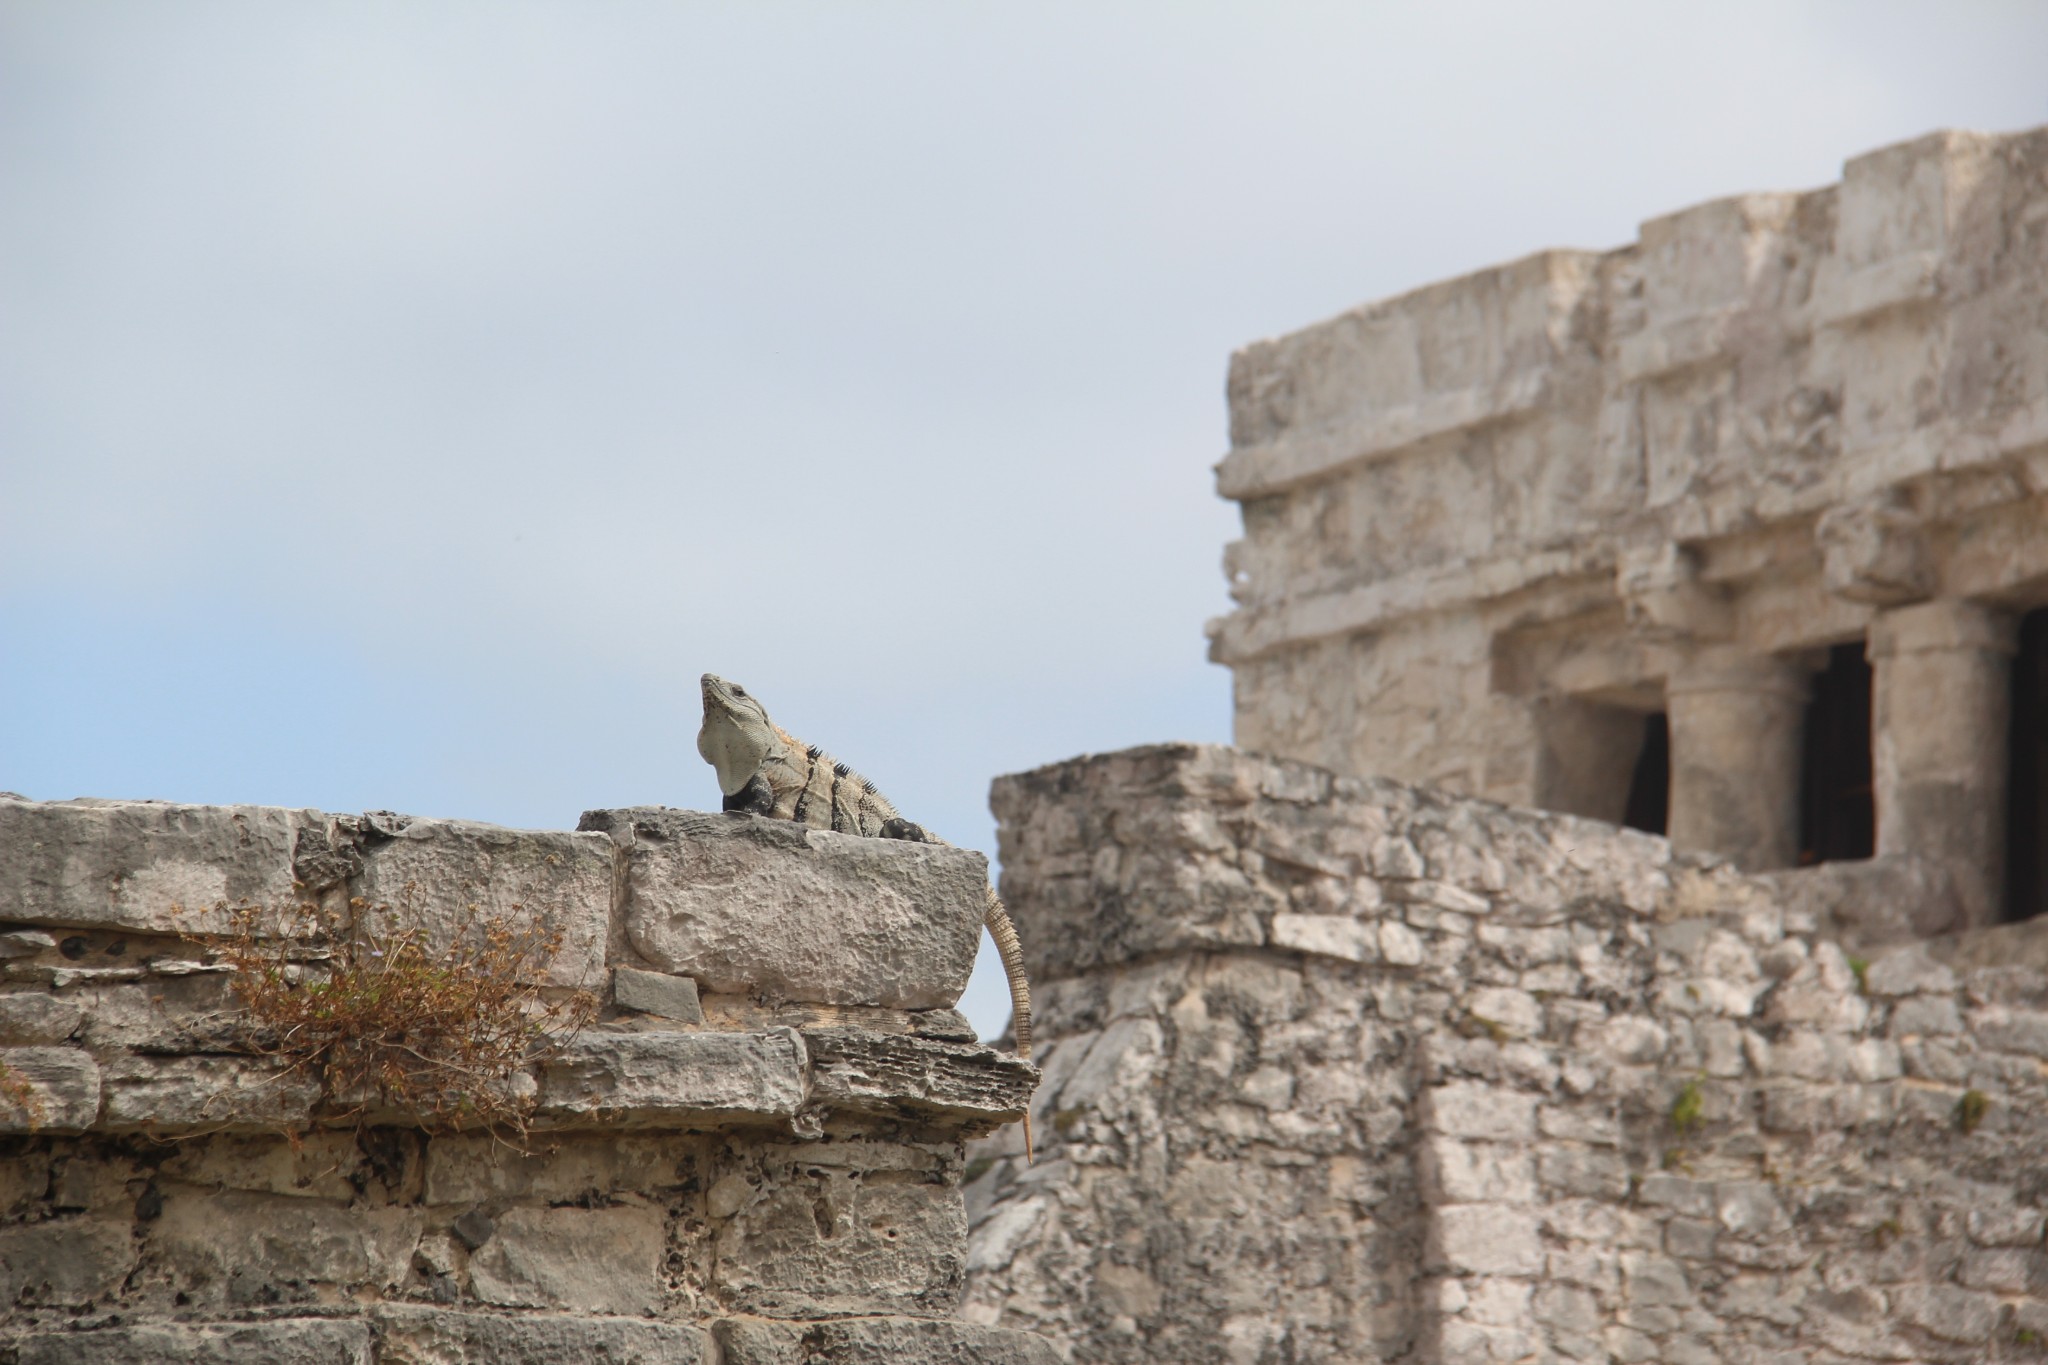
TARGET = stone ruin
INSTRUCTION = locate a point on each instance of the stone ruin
(1747, 514)
(1737, 535)
(753, 1157)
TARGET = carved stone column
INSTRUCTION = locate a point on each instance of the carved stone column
(1939, 715)
(1736, 725)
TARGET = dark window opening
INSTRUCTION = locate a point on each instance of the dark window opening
(1837, 806)
(2026, 793)
(1649, 787)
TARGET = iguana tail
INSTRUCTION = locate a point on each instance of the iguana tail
(1012, 952)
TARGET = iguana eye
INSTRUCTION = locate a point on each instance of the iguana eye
(738, 691)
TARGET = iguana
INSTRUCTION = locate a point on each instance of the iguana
(765, 770)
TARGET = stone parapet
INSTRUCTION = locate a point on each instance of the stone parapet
(1344, 1070)
(752, 1153)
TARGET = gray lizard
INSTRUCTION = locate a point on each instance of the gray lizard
(765, 770)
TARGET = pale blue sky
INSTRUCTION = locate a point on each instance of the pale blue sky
(401, 405)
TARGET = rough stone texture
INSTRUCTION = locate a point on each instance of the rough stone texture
(288, 1341)
(144, 865)
(644, 1076)
(409, 1334)
(671, 997)
(169, 1194)
(828, 917)
(443, 872)
(1489, 524)
(878, 1341)
(1602, 1102)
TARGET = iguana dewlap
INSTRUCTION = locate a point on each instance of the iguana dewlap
(765, 770)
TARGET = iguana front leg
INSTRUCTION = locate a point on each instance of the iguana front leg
(756, 798)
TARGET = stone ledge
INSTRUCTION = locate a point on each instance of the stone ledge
(974, 1088)
(417, 1334)
(646, 1078)
(878, 1341)
(286, 1341)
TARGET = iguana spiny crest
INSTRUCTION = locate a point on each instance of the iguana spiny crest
(764, 770)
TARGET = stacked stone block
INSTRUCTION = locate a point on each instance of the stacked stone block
(753, 1156)
(1343, 1070)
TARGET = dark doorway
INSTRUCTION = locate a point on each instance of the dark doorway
(1837, 807)
(2026, 827)
(1649, 786)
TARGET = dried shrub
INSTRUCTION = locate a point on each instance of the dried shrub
(17, 1094)
(379, 1017)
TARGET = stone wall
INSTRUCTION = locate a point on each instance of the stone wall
(753, 1156)
(1339, 1069)
(1491, 524)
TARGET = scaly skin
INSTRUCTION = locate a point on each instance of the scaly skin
(765, 770)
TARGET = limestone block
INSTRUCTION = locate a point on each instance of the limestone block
(477, 1168)
(831, 1240)
(666, 1077)
(1337, 936)
(211, 1091)
(1486, 1239)
(281, 1341)
(1473, 1110)
(48, 1090)
(33, 1017)
(589, 1260)
(662, 993)
(767, 908)
(69, 1262)
(917, 1078)
(151, 866)
(254, 1248)
(414, 1334)
(879, 1341)
(443, 871)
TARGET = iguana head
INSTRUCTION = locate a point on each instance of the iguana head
(737, 733)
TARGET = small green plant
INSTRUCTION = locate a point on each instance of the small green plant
(1971, 1109)
(2028, 1339)
(1861, 967)
(1688, 1111)
(394, 1021)
(1887, 1232)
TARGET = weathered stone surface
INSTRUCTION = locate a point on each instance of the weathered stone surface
(144, 865)
(70, 1262)
(829, 1239)
(661, 993)
(48, 1089)
(878, 1341)
(1607, 1103)
(203, 1091)
(765, 908)
(445, 872)
(649, 1076)
(975, 1087)
(247, 1248)
(591, 1260)
(412, 1334)
(33, 1017)
(285, 1341)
